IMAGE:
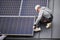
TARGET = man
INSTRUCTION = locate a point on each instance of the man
(44, 15)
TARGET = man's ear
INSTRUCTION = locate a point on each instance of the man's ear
(37, 10)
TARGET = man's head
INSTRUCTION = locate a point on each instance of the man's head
(37, 8)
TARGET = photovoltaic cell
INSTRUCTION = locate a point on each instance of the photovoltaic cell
(9, 7)
(16, 25)
(28, 7)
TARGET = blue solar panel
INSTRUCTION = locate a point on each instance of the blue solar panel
(16, 25)
(29, 5)
(9, 7)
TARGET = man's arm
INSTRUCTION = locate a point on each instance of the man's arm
(38, 18)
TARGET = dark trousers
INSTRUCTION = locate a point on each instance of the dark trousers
(48, 20)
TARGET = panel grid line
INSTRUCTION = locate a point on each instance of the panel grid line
(20, 7)
(17, 16)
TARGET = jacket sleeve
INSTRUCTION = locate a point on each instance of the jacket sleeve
(38, 18)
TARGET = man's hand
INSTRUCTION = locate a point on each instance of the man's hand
(33, 27)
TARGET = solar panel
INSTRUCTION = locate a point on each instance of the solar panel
(29, 5)
(16, 25)
(9, 7)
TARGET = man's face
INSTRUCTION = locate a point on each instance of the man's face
(38, 9)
